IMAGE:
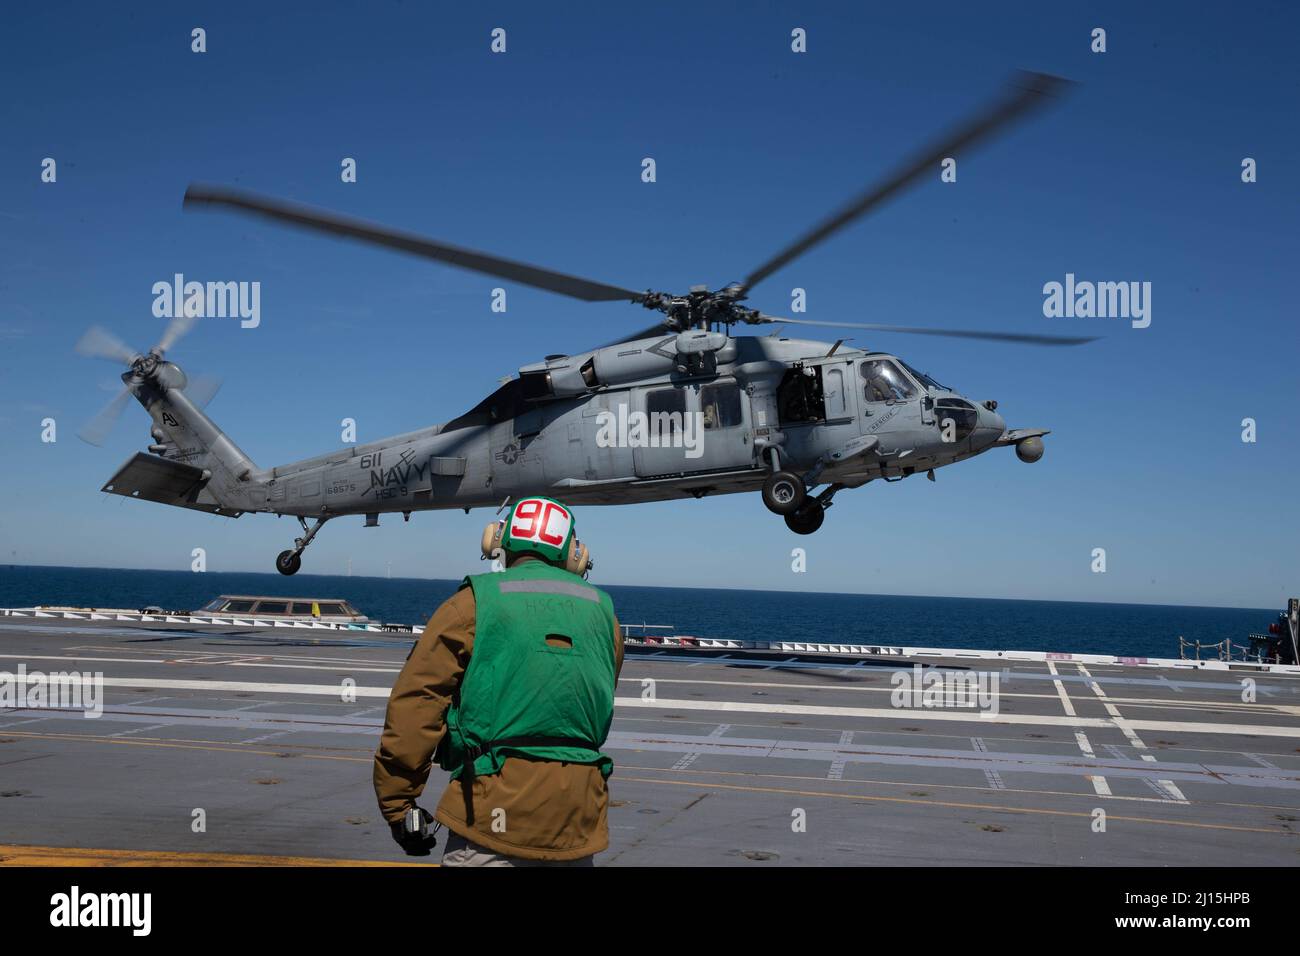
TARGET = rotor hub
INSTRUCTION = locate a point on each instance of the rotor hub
(701, 308)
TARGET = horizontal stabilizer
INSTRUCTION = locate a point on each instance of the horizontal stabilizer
(151, 478)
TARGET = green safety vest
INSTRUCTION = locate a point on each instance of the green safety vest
(520, 695)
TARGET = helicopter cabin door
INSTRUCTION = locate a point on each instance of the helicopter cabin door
(659, 431)
(723, 427)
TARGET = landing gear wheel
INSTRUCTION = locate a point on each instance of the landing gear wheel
(783, 493)
(288, 562)
(806, 520)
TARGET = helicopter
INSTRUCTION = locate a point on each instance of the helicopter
(683, 408)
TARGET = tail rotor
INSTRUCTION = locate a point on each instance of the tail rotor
(142, 367)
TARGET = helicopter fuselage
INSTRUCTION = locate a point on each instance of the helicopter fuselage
(639, 422)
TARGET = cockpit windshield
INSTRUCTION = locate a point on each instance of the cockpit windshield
(924, 379)
(883, 381)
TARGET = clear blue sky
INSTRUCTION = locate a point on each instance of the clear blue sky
(536, 154)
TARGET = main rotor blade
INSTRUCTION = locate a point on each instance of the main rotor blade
(333, 224)
(98, 342)
(1022, 337)
(1028, 91)
(96, 430)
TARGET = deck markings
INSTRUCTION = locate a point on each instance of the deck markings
(710, 660)
(265, 737)
(836, 771)
(139, 730)
(1060, 689)
(992, 776)
(353, 666)
(690, 758)
(1085, 746)
(1168, 786)
(238, 748)
(723, 706)
(1099, 783)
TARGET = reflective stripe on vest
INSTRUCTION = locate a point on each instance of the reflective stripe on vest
(583, 591)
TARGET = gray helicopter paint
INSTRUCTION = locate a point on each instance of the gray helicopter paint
(513, 448)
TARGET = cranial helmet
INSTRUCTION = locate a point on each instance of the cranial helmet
(541, 526)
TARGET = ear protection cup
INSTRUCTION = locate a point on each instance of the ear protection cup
(491, 542)
(578, 559)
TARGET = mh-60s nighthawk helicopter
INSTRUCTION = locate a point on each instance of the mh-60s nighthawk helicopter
(777, 415)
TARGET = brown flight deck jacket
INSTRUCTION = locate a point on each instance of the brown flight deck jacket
(552, 810)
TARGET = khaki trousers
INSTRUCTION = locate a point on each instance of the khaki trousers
(461, 852)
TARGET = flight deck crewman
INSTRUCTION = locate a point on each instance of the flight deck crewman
(511, 688)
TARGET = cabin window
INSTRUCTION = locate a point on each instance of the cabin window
(720, 405)
(799, 396)
(272, 607)
(835, 397)
(332, 609)
(666, 411)
(885, 382)
(239, 607)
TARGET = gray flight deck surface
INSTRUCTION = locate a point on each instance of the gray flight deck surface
(721, 767)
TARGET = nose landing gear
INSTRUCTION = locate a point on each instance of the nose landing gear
(288, 562)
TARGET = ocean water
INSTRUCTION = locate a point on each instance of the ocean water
(1131, 629)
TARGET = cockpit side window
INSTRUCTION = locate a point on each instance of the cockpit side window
(884, 381)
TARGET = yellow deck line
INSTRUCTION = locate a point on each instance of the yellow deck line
(12, 855)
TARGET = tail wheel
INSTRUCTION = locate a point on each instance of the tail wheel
(783, 493)
(806, 520)
(288, 562)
